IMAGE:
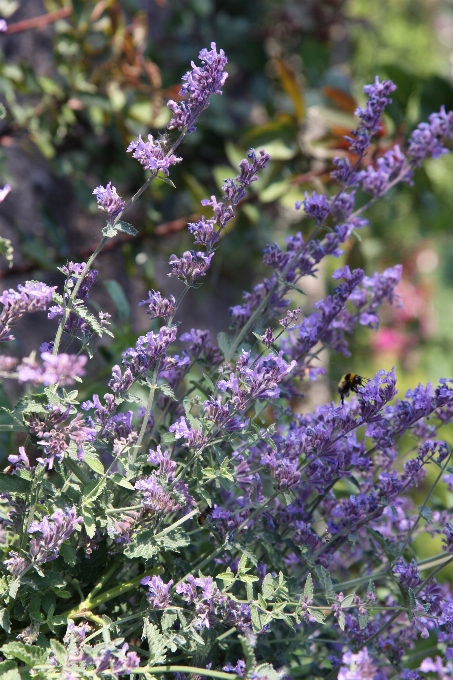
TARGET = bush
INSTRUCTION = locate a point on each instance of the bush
(193, 520)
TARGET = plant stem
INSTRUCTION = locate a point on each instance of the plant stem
(74, 295)
(430, 493)
(186, 669)
(93, 602)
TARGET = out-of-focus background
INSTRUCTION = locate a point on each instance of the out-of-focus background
(80, 80)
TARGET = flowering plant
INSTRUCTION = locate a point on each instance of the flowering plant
(212, 529)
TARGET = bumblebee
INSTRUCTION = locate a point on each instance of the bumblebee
(204, 514)
(350, 382)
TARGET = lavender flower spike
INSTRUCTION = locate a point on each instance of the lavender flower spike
(33, 296)
(370, 116)
(201, 83)
(53, 534)
(109, 200)
(151, 155)
(158, 596)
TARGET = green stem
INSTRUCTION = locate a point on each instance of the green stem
(93, 602)
(176, 524)
(149, 406)
(34, 496)
(74, 295)
(431, 491)
(116, 566)
(81, 476)
(185, 669)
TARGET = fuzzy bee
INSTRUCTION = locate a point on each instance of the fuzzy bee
(350, 382)
(204, 515)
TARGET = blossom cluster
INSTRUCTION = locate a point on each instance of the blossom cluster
(194, 518)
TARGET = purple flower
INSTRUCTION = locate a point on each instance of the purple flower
(205, 232)
(159, 306)
(268, 338)
(201, 346)
(291, 316)
(190, 266)
(358, 666)
(53, 534)
(144, 356)
(427, 139)
(167, 466)
(181, 430)
(201, 83)
(33, 296)
(54, 434)
(234, 189)
(317, 206)
(61, 369)
(15, 564)
(390, 168)
(408, 573)
(239, 668)
(158, 591)
(370, 116)
(155, 498)
(151, 155)
(109, 200)
(7, 188)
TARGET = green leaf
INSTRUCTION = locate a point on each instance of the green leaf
(116, 292)
(166, 389)
(248, 578)
(156, 642)
(209, 381)
(317, 615)
(89, 521)
(167, 180)
(121, 481)
(94, 463)
(348, 601)
(89, 490)
(35, 608)
(308, 588)
(109, 231)
(293, 287)
(69, 554)
(29, 654)
(426, 513)
(7, 250)
(168, 438)
(326, 582)
(168, 619)
(59, 650)
(258, 618)
(225, 341)
(13, 484)
(363, 620)
(227, 576)
(14, 587)
(175, 539)
(9, 671)
(4, 619)
(126, 228)
(268, 587)
(142, 545)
